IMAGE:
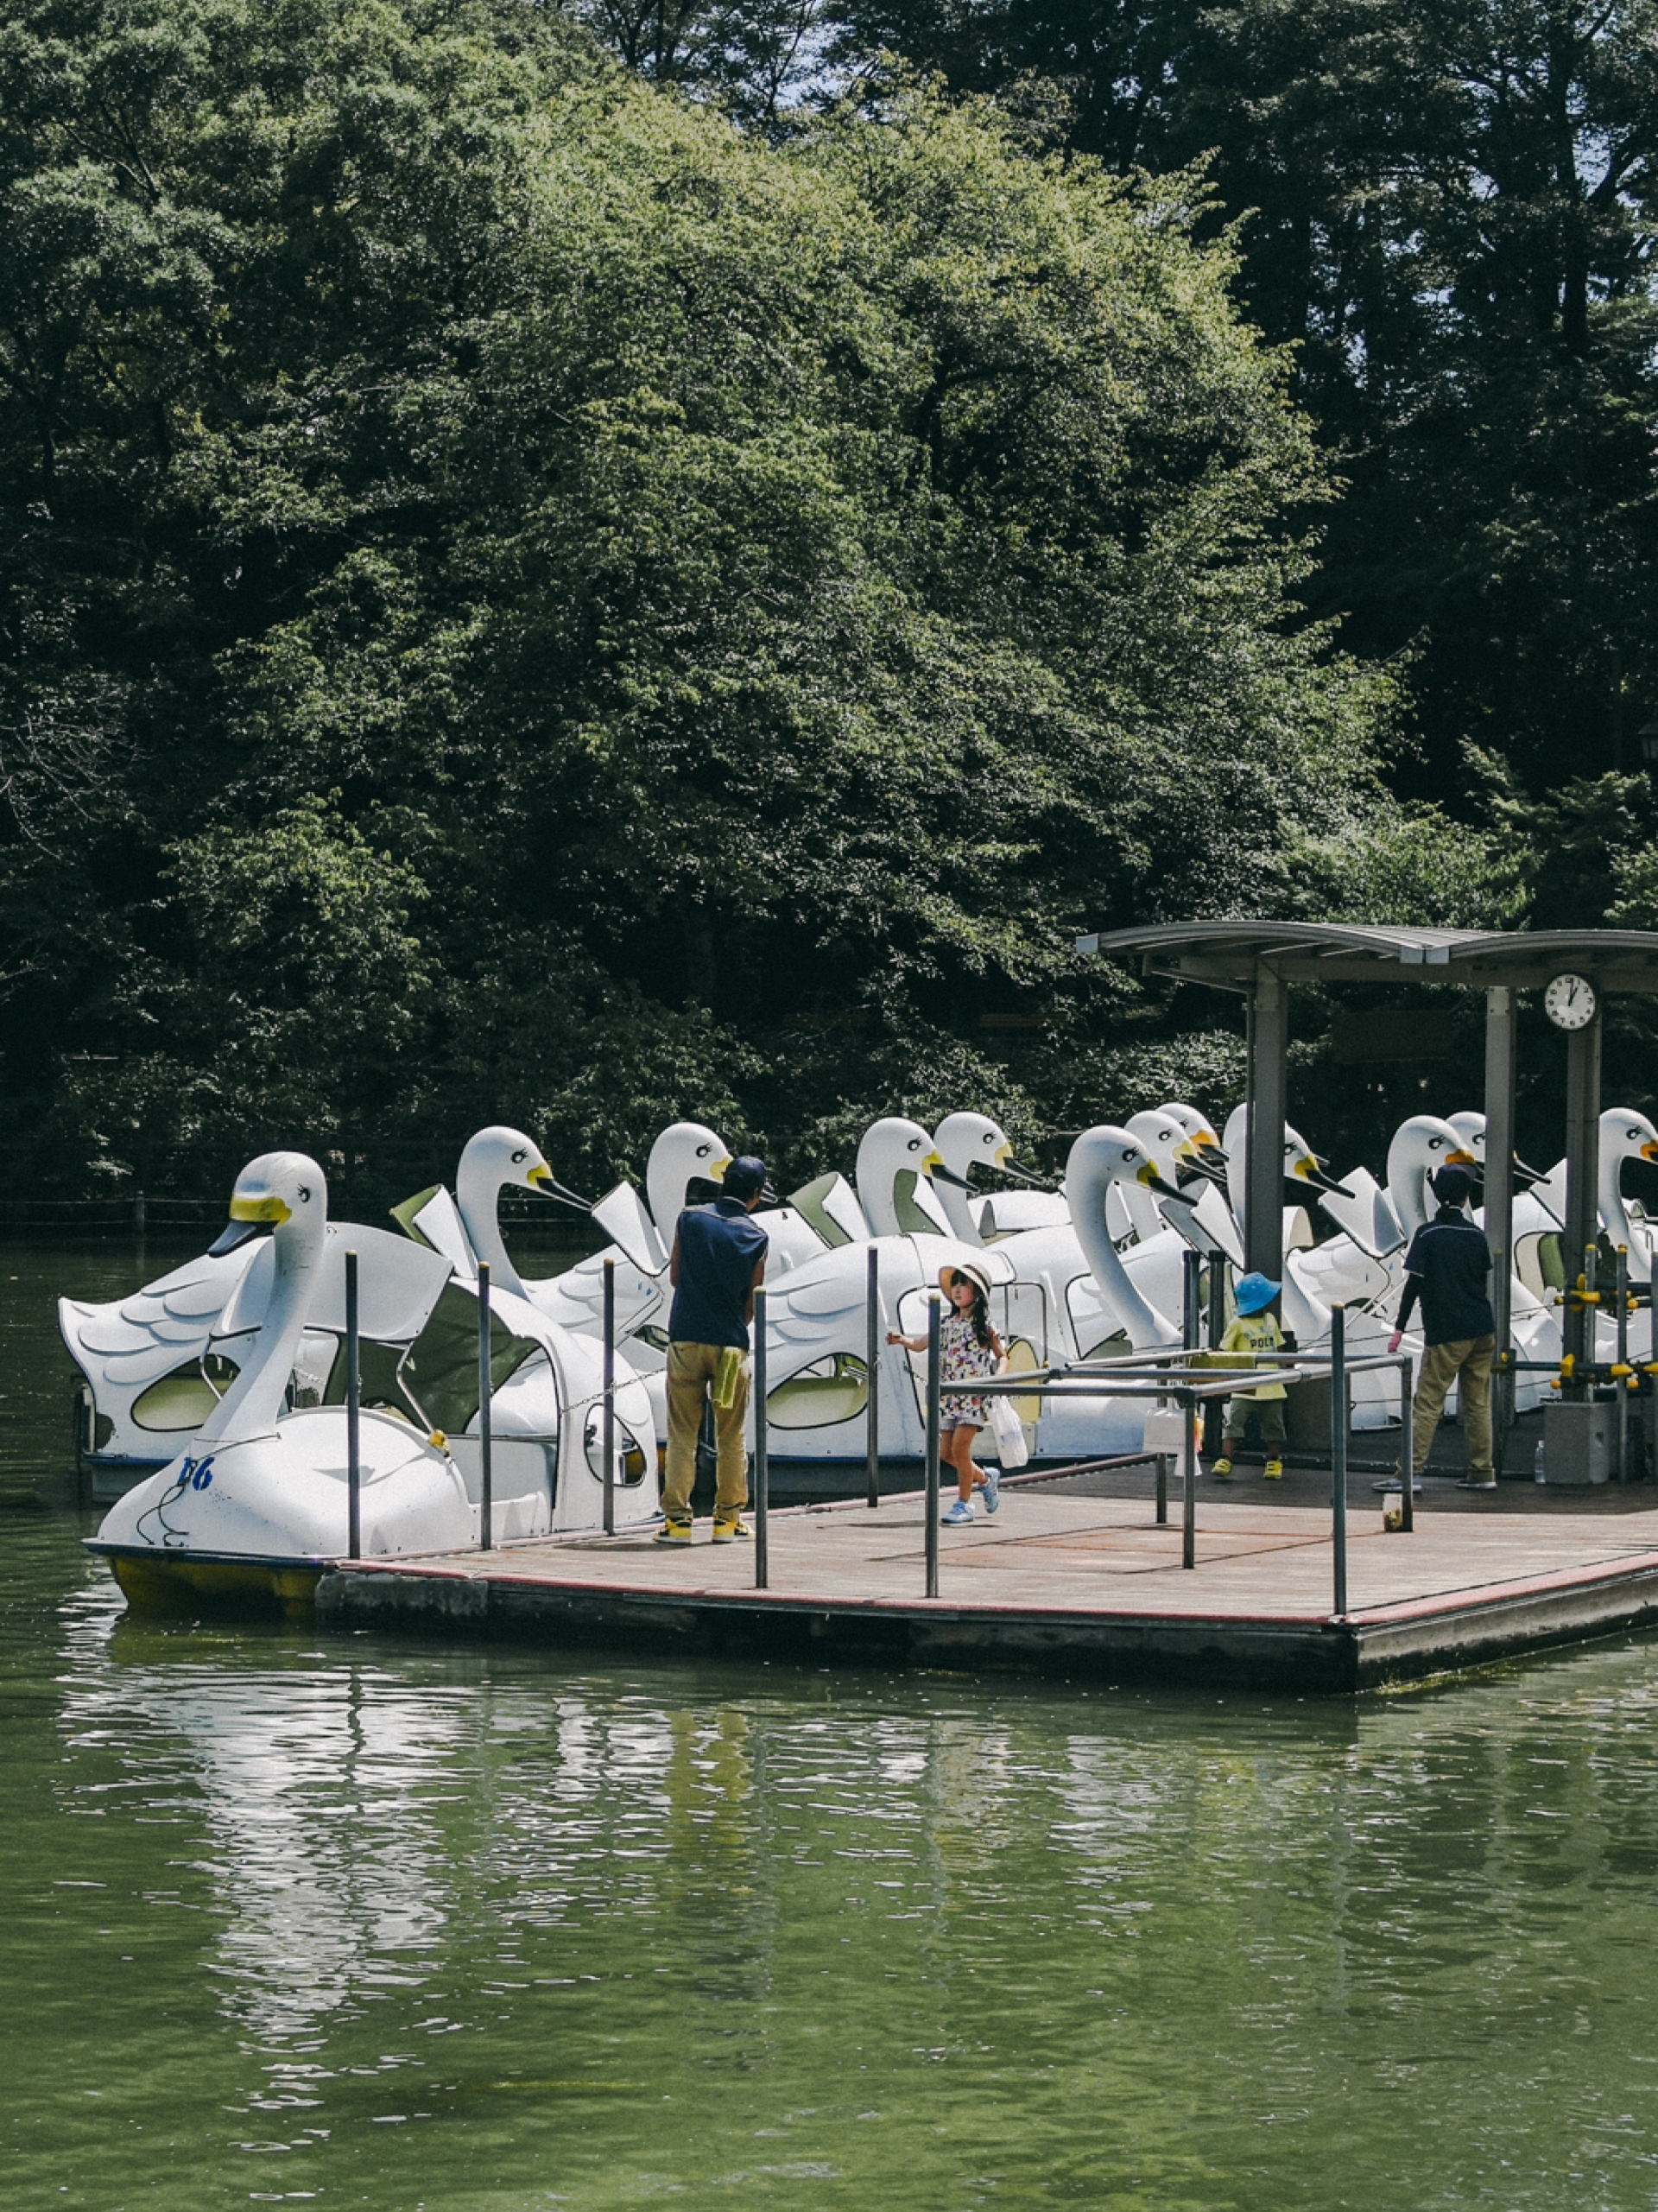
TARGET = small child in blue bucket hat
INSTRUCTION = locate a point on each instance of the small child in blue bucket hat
(1255, 1330)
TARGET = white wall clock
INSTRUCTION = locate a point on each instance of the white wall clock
(1570, 1002)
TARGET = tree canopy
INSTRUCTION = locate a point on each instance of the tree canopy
(524, 596)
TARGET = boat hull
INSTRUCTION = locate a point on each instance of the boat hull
(191, 1582)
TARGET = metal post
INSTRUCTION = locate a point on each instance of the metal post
(484, 1392)
(140, 1211)
(762, 1456)
(1188, 1481)
(609, 1377)
(932, 1379)
(1582, 1193)
(353, 1416)
(1190, 1304)
(1214, 1411)
(1499, 1195)
(1407, 1449)
(1264, 1227)
(1339, 1454)
(873, 1366)
(1622, 1362)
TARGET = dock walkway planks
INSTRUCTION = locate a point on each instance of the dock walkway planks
(1062, 1584)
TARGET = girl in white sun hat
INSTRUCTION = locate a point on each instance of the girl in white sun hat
(968, 1351)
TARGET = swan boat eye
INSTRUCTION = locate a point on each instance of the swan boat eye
(305, 1194)
(519, 1157)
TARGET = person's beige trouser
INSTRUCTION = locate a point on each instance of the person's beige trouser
(690, 1382)
(1466, 1361)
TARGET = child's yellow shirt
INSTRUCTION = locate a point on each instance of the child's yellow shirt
(1253, 1334)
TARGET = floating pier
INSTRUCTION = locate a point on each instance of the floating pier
(1066, 1585)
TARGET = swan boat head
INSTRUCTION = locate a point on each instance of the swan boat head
(283, 1195)
(1625, 1134)
(1421, 1146)
(898, 1162)
(496, 1159)
(964, 1142)
(684, 1151)
(1471, 1127)
(1303, 1165)
(1201, 1131)
(1101, 1160)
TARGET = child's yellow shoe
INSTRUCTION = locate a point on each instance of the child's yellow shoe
(1273, 1470)
(1222, 1470)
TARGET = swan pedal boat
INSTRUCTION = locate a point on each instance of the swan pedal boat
(255, 1508)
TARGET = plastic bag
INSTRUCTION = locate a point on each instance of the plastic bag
(1008, 1432)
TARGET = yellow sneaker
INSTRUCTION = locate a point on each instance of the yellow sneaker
(1222, 1470)
(731, 1531)
(1273, 1470)
(674, 1532)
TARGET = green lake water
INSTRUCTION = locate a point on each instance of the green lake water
(358, 1922)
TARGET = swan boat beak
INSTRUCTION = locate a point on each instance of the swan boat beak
(249, 1218)
(1309, 1173)
(1006, 1164)
(936, 1171)
(1208, 1166)
(543, 1179)
(1153, 1181)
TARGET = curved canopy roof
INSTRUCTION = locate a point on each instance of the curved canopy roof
(1339, 952)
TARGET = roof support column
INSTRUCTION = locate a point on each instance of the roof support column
(1500, 1016)
(1268, 1039)
(1582, 1181)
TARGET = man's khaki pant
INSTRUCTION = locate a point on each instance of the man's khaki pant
(1467, 1362)
(690, 1382)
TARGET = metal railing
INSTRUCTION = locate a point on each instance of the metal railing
(1179, 1376)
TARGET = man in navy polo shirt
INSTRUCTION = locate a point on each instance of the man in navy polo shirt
(1448, 1267)
(720, 1262)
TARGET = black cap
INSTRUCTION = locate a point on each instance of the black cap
(1453, 1186)
(744, 1176)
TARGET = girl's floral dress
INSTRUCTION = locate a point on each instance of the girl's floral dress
(963, 1359)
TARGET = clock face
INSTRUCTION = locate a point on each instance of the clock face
(1569, 1002)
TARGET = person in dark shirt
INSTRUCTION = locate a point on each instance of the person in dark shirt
(1448, 1268)
(720, 1262)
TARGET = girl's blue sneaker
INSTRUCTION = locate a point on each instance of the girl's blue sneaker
(958, 1514)
(992, 1488)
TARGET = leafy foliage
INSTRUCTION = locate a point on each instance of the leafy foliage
(528, 601)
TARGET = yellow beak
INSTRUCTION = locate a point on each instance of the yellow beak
(1145, 1174)
(1460, 1160)
(1649, 1151)
(932, 1160)
(540, 1175)
(717, 1168)
(259, 1209)
(1003, 1154)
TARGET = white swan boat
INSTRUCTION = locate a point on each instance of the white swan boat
(257, 1505)
(548, 1401)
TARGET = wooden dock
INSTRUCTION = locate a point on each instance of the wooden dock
(1067, 1584)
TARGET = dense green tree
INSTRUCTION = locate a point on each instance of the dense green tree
(1446, 207)
(524, 600)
